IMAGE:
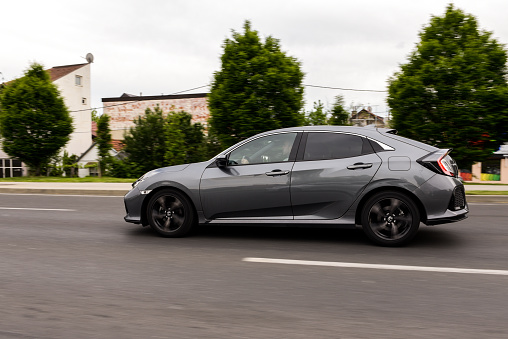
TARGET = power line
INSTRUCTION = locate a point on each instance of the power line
(192, 89)
(347, 89)
(189, 89)
(129, 102)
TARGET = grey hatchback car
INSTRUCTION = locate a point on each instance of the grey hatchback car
(318, 175)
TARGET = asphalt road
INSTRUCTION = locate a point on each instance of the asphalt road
(70, 267)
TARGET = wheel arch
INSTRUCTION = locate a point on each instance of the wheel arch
(144, 218)
(411, 195)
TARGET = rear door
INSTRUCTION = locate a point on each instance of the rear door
(331, 171)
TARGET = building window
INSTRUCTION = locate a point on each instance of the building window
(79, 79)
(83, 101)
(10, 168)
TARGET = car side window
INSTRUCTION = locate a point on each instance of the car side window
(323, 146)
(271, 148)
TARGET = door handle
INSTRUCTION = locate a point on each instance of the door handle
(359, 165)
(276, 172)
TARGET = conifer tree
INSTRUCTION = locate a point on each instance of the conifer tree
(452, 92)
(258, 88)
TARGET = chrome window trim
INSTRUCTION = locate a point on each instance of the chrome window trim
(384, 146)
(231, 149)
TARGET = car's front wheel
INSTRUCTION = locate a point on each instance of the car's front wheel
(390, 218)
(170, 213)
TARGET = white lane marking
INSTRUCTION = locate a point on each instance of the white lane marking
(376, 266)
(37, 209)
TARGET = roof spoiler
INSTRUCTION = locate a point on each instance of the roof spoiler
(387, 130)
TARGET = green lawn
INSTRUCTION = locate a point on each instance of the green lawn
(481, 183)
(486, 192)
(65, 179)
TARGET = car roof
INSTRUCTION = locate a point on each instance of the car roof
(334, 128)
(381, 134)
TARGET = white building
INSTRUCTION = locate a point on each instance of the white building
(74, 84)
(73, 81)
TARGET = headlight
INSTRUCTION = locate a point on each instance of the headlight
(135, 183)
(143, 177)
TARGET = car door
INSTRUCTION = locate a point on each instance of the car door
(255, 183)
(330, 173)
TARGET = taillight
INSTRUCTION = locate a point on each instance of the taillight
(440, 162)
(445, 163)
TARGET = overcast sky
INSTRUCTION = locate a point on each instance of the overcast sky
(158, 47)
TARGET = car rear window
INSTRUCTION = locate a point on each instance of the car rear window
(415, 143)
(322, 146)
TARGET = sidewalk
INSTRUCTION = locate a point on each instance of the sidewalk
(66, 188)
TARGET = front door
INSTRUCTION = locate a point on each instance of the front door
(255, 183)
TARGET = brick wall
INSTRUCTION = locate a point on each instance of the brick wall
(122, 111)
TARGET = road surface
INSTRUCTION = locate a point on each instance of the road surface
(70, 267)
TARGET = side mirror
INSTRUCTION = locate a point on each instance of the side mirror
(221, 162)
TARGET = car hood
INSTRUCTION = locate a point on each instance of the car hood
(176, 168)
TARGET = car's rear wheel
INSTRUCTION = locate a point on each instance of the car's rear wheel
(170, 213)
(390, 218)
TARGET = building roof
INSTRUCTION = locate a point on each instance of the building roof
(131, 97)
(60, 71)
(117, 145)
(364, 111)
(57, 72)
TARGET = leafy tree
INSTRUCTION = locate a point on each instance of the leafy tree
(146, 141)
(175, 144)
(317, 116)
(122, 168)
(192, 136)
(53, 167)
(257, 89)
(69, 164)
(338, 114)
(95, 116)
(34, 121)
(159, 141)
(452, 92)
(212, 145)
(103, 142)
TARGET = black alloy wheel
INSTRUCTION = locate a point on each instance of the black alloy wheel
(390, 219)
(170, 213)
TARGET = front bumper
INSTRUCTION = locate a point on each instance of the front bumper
(133, 202)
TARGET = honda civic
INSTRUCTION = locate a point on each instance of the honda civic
(312, 176)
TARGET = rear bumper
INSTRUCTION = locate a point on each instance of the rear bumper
(443, 199)
(453, 216)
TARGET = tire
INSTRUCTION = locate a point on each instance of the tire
(170, 213)
(390, 219)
